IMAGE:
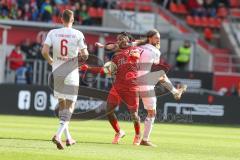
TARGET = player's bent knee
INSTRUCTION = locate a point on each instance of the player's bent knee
(135, 118)
(151, 113)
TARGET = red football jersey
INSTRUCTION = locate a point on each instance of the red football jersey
(126, 68)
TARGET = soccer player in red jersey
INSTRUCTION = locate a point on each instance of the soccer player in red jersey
(124, 88)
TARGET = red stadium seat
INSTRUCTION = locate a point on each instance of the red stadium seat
(173, 7)
(182, 9)
(197, 21)
(211, 22)
(222, 12)
(145, 8)
(100, 12)
(217, 22)
(208, 34)
(121, 5)
(190, 20)
(130, 5)
(92, 12)
(235, 12)
(56, 19)
(214, 22)
(204, 22)
(234, 3)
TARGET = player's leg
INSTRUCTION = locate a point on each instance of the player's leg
(137, 126)
(57, 137)
(112, 118)
(131, 98)
(148, 125)
(70, 104)
(177, 93)
(149, 101)
(112, 102)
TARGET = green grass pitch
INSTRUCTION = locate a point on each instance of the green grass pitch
(28, 138)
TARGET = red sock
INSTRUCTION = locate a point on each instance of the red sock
(115, 125)
(137, 128)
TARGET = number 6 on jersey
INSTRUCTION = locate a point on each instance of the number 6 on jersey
(64, 49)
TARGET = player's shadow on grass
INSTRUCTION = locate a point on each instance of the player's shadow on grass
(24, 139)
(47, 140)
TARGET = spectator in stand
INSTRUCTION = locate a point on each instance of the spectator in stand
(24, 75)
(49, 10)
(35, 51)
(226, 3)
(20, 15)
(16, 58)
(26, 48)
(13, 11)
(27, 12)
(210, 8)
(21, 3)
(195, 7)
(3, 6)
(4, 14)
(183, 55)
(77, 10)
(84, 17)
(35, 13)
(46, 11)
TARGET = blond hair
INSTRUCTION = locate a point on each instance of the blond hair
(66, 16)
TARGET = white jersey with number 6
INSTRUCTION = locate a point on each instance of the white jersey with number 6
(66, 43)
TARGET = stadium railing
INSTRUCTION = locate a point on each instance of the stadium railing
(40, 72)
(229, 64)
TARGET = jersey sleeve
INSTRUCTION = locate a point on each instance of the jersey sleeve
(81, 42)
(48, 40)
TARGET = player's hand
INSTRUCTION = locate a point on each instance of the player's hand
(50, 62)
(134, 56)
(100, 45)
(83, 67)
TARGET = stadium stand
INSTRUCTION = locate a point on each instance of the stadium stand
(206, 21)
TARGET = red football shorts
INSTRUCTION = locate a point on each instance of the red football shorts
(128, 96)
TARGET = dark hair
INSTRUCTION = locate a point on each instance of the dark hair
(66, 16)
(151, 33)
(126, 34)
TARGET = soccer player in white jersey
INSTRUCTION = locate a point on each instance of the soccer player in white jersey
(147, 80)
(68, 44)
(149, 57)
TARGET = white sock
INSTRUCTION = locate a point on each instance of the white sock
(61, 128)
(148, 124)
(67, 133)
(169, 86)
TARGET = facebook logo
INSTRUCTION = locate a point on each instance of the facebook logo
(24, 100)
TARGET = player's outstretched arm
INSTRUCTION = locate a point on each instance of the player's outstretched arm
(46, 55)
(109, 46)
(109, 68)
(139, 42)
(94, 70)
